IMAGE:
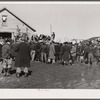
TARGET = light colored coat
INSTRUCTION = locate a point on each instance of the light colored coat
(51, 51)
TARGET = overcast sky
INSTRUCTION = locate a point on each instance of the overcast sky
(68, 20)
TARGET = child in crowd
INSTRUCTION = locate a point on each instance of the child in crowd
(6, 66)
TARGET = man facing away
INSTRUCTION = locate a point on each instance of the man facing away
(43, 52)
(51, 53)
(23, 58)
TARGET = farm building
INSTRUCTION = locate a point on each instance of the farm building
(12, 26)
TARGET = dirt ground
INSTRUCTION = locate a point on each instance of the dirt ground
(55, 76)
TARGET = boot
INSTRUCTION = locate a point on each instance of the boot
(8, 73)
(26, 71)
(18, 75)
(18, 72)
(26, 75)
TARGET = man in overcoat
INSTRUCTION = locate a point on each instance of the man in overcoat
(23, 58)
(65, 53)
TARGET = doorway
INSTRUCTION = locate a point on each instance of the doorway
(5, 34)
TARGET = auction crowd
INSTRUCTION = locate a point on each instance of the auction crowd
(21, 52)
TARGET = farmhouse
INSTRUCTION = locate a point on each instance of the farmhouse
(11, 25)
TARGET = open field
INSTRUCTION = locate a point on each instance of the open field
(55, 76)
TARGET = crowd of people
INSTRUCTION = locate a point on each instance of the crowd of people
(21, 52)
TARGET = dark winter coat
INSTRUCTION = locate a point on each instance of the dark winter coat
(44, 48)
(0, 50)
(33, 46)
(23, 56)
(65, 52)
(38, 53)
(13, 50)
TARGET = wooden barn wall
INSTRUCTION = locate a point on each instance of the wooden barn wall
(12, 23)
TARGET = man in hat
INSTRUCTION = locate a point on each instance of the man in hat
(23, 58)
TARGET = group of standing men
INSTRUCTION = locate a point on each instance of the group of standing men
(18, 51)
(67, 52)
(22, 52)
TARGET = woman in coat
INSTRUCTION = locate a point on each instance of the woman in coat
(23, 58)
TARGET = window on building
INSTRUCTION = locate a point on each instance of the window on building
(4, 20)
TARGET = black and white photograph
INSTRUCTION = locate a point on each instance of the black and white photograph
(49, 46)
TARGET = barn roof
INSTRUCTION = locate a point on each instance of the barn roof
(5, 9)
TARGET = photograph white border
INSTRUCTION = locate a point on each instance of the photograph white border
(50, 93)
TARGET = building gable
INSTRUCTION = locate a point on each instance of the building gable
(13, 21)
(10, 23)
